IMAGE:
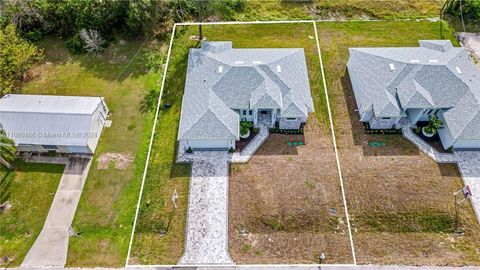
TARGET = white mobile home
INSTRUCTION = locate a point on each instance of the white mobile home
(61, 124)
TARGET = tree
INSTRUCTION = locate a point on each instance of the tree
(470, 9)
(16, 57)
(7, 149)
(94, 43)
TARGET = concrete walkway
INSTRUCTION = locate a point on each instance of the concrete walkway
(51, 246)
(207, 217)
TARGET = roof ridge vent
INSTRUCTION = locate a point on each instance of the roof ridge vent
(239, 62)
(433, 61)
(257, 62)
(414, 61)
(279, 68)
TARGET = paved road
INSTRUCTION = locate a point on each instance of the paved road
(51, 246)
(207, 220)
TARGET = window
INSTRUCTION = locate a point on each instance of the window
(244, 112)
(385, 118)
(291, 118)
(250, 112)
(49, 147)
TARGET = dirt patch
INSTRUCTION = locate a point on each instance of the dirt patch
(285, 203)
(119, 160)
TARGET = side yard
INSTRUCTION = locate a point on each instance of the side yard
(400, 201)
(160, 231)
(31, 188)
(104, 216)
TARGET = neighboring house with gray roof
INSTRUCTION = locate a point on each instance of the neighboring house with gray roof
(225, 86)
(414, 82)
(61, 124)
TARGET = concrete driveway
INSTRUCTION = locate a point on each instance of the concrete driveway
(207, 218)
(51, 246)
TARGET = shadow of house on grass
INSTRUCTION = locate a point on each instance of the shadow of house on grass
(395, 144)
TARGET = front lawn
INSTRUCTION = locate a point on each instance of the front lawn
(400, 201)
(106, 210)
(30, 190)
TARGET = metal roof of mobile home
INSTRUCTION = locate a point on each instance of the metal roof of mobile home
(49, 120)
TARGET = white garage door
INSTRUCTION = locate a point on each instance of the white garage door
(209, 144)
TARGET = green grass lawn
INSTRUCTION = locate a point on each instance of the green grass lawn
(106, 210)
(338, 9)
(32, 187)
(157, 214)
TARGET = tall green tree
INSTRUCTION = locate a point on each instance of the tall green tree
(7, 149)
(16, 58)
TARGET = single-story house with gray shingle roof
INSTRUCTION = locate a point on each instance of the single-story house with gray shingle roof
(61, 124)
(225, 86)
(415, 82)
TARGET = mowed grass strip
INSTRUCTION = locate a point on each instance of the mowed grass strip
(400, 201)
(105, 213)
(160, 231)
(30, 189)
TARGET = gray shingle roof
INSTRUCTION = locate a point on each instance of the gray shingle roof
(221, 79)
(434, 75)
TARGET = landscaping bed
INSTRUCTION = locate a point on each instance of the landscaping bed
(400, 201)
(243, 142)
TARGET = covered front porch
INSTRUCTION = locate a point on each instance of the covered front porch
(265, 117)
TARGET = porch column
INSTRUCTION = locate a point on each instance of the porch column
(255, 117)
(274, 115)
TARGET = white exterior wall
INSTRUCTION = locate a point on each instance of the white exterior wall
(467, 144)
(62, 149)
(208, 144)
(96, 126)
(365, 116)
(444, 133)
(284, 123)
(246, 117)
(415, 114)
(380, 123)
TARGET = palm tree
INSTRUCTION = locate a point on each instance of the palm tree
(7, 149)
